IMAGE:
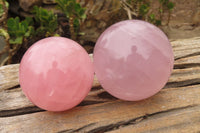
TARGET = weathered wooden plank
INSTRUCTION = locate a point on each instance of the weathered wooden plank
(182, 43)
(103, 116)
(99, 112)
(13, 99)
(14, 102)
(183, 77)
(182, 48)
(191, 61)
(9, 76)
(186, 47)
(186, 120)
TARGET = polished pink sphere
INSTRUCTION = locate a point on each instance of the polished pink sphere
(56, 74)
(133, 60)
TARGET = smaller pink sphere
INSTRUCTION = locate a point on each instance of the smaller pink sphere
(56, 74)
(133, 60)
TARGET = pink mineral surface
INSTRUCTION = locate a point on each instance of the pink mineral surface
(133, 60)
(56, 74)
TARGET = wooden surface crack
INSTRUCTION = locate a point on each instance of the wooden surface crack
(14, 87)
(20, 111)
(188, 55)
(183, 83)
(181, 123)
(118, 125)
(189, 65)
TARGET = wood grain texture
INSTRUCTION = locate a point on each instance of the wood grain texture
(183, 120)
(8, 76)
(101, 117)
(176, 108)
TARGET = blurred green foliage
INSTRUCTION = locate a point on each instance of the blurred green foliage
(167, 3)
(144, 10)
(19, 30)
(47, 21)
(74, 12)
(2, 8)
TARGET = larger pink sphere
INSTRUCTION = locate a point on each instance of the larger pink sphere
(133, 60)
(56, 73)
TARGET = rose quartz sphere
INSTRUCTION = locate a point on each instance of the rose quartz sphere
(56, 74)
(133, 60)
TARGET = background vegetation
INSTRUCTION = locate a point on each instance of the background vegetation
(21, 32)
